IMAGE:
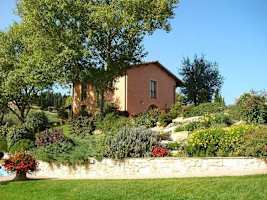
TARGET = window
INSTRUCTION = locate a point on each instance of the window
(84, 91)
(153, 89)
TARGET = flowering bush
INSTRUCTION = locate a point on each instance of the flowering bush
(21, 163)
(48, 137)
(252, 107)
(217, 141)
(148, 119)
(131, 143)
(158, 151)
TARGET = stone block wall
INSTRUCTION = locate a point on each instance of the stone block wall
(155, 168)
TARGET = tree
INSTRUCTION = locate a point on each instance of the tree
(24, 71)
(96, 40)
(218, 98)
(201, 80)
(253, 107)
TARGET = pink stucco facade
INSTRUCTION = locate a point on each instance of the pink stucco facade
(132, 91)
(138, 94)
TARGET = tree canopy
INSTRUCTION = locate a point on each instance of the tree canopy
(202, 80)
(95, 40)
(24, 72)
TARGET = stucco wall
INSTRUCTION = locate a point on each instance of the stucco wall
(138, 99)
(89, 102)
(119, 97)
(156, 168)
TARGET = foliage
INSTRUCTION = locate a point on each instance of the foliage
(62, 113)
(202, 109)
(85, 49)
(11, 120)
(201, 80)
(173, 146)
(36, 121)
(158, 151)
(48, 137)
(18, 133)
(165, 119)
(176, 110)
(131, 143)
(3, 103)
(234, 112)
(82, 126)
(48, 99)
(22, 146)
(254, 143)
(112, 123)
(24, 72)
(3, 131)
(3, 144)
(213, 120)
(218, 98)
(148, 119)
(53, 145)
(57, 152)
(253, 108)
(217, 141)
(21, 163)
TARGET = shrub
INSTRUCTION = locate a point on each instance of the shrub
(158, 151)
(37, 121)
(62, 113)
(148, 119)
(217, 141)
(22, 146)
(234, 112)
(11, 120)
(203, 109)
(131, 143)
(21, 163)
(3, 144)
(110, 108)
(18, 133)
(82, 126)
(253, 108)
(53, 146)
(3, 131)
(173, 146)
(213, 120)
(176, 110)
(58, 152)
(254, 144)
(48, 137)
(165, 119)
(112, 123)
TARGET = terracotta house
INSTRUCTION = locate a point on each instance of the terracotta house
(144, 86)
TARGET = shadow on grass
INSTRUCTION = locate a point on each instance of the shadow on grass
(6, 182)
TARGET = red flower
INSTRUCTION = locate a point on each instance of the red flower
(159, 151)
(21, 163)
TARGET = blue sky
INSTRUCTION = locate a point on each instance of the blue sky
(231, 32)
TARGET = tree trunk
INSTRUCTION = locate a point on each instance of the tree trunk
(102, 101)
(71, 109)
(20, 177)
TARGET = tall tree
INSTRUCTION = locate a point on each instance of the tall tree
(24, 71)
(201, 78)
(96, 40)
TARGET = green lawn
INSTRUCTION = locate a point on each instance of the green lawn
(226, 188)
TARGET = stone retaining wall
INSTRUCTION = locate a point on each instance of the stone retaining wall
(155, 168)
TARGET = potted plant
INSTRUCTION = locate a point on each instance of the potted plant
(21, 164)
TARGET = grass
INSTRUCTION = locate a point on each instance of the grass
(223, 188)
